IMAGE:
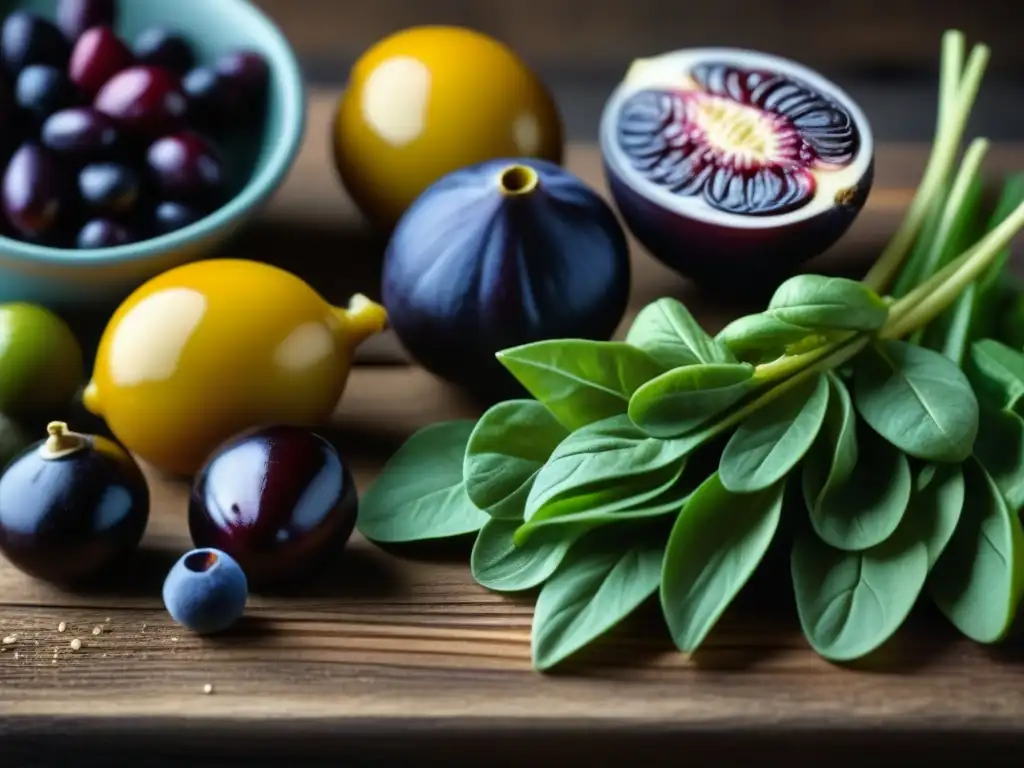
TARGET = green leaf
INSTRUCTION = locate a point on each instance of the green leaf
(717, 542)
(420, 494)
(935, 507)
(581, 381)
(997, 373)
(865, 509)
(954, 330)
(760, 336)
(667, 332)
(834, 457)
(977, 580)
(684, 398)
(499, 564)
(917, 400)
(508, 447)
(1000, 449)
(769, 443)
(600, 582)
(850, 603)
(828, 303)
(1010, 198)
(602, 454)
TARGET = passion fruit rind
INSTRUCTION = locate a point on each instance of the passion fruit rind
(730, 155)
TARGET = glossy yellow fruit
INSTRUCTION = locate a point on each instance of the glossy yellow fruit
(211, 348)
(430, 100)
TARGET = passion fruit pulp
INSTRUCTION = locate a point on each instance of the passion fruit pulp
(724, 159)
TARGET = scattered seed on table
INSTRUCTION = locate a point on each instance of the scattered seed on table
(62, 627)
(208, 689)
(16, 656)
(76, 644)
(10, 640)
(97, 630)
(107, 620)
(174, 639)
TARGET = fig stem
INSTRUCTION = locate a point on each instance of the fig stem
(517, 180)
(360, 320)
(61, 441)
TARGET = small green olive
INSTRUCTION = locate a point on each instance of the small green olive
(41, 362)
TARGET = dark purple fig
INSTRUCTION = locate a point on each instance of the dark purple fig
(35, 192)
(71, 506)
(171, 215)
(277, 499)
(42, 90)
(74, 17)
(161, 47)
(499, 254)
(103, 233)
(146, 101)
(109, 188)
(27, 39)
(186, 167)
(80, 133)
(98, 55)
(728, 162)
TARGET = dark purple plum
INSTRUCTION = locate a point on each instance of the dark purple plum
(109, 188)
(80, 133)
(74, 17)
(145, 101)
(162, 47)
(278, 499)
(27, 39)
(98, 55)
(103, 233)
(42, 90)
(171, 215)
(185, 166)
(71, 507)
(247, 74)
(35, 192)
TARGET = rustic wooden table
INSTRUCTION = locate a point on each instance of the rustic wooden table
(399, 656)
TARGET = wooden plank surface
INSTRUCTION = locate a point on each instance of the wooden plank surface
(397, 654)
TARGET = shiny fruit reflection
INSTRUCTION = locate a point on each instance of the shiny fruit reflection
(35, 193)
(74, 17)
(278, 499)
(160, 47)
(79, 133)
(186, 167)
(144, 100)
(429, 100)
(42, 90)
(207, 350)
(27, 39)
(98, 55)
(71, 506)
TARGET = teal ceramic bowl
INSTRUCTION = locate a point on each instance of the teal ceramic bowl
(60, 278)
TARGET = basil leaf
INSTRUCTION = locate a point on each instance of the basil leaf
(508, 447)
(997, 373)
(600, 454)
(755, 337)
(419, 493)
(580, 381)
(828, 303)
(497, 563)
(935, 507)
(865, 509)
(667, 332)
(684, 398)
(717, 542)
(978, 579)
(1000, 449)
(772, 441)
(832, 460)
(917, 400)
(600, 582)
(850, 603)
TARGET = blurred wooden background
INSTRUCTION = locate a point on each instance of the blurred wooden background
(885, 52)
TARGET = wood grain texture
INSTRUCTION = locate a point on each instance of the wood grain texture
(398, 655)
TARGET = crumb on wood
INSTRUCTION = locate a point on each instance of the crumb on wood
(97, 630)
(208, 689)
(16, 656)
(76, 644)
(107, 620)
(143, 626)
(174, 639)
(62, 627)
(10, 639)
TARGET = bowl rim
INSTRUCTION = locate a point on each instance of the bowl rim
(285, 67)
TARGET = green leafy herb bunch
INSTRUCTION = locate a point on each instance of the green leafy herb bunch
(884, 415)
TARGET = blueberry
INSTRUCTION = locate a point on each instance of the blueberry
(206, 591)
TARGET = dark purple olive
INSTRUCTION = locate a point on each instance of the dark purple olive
(185, 166)
(171, 215)
(144, 100)
(42, 90)
(248, 74)
(28, 39)
(80, 133)
(8, 128)
(109, 188)
(530, 253)
(74, 17)
(278, 499)
(71, 506)
(103, 233)
(210, 100)
(161, 47)
(98, 55)
(35, 191)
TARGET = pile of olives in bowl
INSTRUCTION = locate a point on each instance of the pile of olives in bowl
(106, 141)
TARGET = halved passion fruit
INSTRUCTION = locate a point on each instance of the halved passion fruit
(723, 159)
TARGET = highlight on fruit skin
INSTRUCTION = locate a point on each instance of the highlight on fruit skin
(730, 164)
